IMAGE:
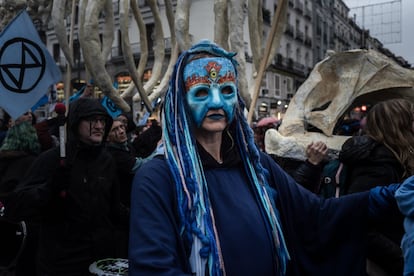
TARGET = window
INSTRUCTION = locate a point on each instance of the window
(298, 55)
(307, 59)
(288, 50)
(297, 26)
(56, 52)
(277, 85)
(288, 85)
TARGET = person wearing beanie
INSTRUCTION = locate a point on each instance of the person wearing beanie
(74, 194)
(19, 150)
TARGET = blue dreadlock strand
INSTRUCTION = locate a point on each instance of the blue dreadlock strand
(265, 194)
(186, 167)
(197, 225)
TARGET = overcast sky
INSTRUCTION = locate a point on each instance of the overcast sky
(405, 48)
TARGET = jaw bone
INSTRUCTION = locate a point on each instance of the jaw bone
(334, 84)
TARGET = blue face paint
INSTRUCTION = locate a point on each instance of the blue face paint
(210, 84)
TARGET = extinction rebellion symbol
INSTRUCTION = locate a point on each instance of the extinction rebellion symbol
(22, 65)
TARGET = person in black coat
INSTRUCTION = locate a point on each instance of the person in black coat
(127, 164)
(75, 196)
(147, 141)
(380, 157)
(19, 150)
(306, 172)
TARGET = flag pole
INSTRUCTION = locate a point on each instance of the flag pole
(68, 86)
(277, 17)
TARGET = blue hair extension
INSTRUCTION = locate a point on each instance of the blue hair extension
(185, 164)
(257, 174)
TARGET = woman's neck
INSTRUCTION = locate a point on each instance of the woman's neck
(211, 142)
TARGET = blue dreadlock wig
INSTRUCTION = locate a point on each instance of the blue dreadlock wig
(196, 217)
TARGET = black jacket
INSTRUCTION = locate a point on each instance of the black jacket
(304, 173)
(11, 165)
(76, 200)
(371, 164)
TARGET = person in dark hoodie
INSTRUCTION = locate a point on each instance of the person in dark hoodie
(19, 150)
(215, 205)
(147, 141)
(74, 196)
(127, 164)
(382, 156)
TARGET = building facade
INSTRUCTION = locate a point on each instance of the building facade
(312, 28)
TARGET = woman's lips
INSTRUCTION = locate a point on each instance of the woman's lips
(215, 116)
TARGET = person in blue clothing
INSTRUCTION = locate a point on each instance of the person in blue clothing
(405, 200)
(214, 204)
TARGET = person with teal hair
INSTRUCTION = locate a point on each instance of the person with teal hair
(19, 150)
(214, 204)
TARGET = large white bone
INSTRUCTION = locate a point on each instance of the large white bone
(108, 33)
(159, 50)
(91, 45)
(221, 24)
(333, 85)
(162, 87)
(127, 51)
(182, 17)
(236, 21)
(143, 45)
(255, 20)
(58, 15)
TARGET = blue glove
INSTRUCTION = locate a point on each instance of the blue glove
(382, 201)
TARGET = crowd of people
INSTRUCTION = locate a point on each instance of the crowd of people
(196, 193)
(74, 202)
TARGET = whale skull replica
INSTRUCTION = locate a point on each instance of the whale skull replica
(335, 83)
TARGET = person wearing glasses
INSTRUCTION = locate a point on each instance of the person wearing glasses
(127, 164)
(74, 195)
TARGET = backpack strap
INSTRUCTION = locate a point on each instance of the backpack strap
(337, 179)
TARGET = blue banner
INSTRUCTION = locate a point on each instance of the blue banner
(26, 67)
(43, 100)
(111, 107)
(77, 94)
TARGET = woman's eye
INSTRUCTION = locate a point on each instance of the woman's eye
(227, 90)
(201, 93)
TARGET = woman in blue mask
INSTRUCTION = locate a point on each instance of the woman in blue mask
(213, 204)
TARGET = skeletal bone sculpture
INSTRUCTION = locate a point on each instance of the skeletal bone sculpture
(333, 85)
(90, 43)
(229, 19)
(335, 81)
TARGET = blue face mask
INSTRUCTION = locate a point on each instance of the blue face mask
(210, 84)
